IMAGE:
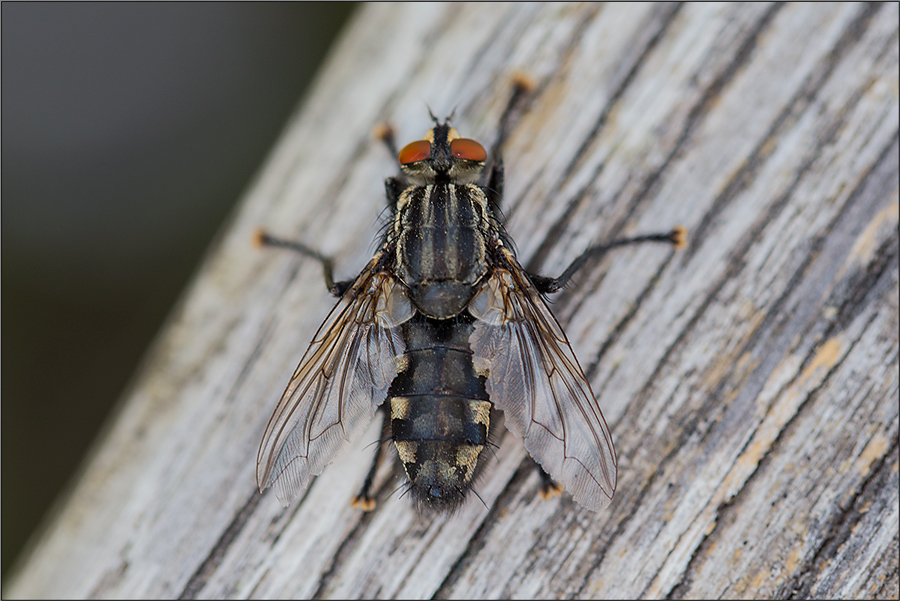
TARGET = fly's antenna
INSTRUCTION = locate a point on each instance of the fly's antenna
(447, 119)
(451, 116)
(431, 114)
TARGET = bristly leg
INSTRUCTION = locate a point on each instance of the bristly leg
(364, 499)
(393, 186)
(522, 86)
(385, 133)
(549, 488)
(263, 238)
(547, 285)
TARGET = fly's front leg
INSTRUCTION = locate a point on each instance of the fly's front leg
(385, 133)
(522, 86)
(546, 285)
(336, 288)
(393, 186)
(494, 190)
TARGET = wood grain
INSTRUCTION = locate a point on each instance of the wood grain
(750, 381)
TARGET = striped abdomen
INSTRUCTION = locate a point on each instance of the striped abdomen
(440, 413)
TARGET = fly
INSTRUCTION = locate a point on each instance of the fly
(441, 328)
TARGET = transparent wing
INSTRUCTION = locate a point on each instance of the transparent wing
(535, 379)
(340, 382)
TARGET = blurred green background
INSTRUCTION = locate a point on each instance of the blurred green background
(129, 130)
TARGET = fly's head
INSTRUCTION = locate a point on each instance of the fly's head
(442, 155)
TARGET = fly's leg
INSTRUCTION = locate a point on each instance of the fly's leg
(336, 288)
(549, 488)
(494, 190)
(393, 186)
(364, 499)
(385, 133)
(546, 285)
(522, 85)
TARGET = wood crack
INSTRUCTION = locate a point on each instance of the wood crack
(843, 524)
(343, 550)
(878, 284)
(724, 511)
(477, 540)
(209, 565)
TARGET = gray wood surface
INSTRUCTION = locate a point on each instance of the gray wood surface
(750, 381)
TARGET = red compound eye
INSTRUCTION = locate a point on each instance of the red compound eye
(414, 152)
(469, 150)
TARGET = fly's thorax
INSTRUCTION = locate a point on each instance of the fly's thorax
(442, 232)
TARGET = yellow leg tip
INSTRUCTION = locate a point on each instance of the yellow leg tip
(383, 131)
(259, 237)
(523, 82)
(363, 503)
(679, 237)
(553, 490)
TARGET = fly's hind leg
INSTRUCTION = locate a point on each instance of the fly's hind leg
(364, 499)
(549, 488)
(263, 238)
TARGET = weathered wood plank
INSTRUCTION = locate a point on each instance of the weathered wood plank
(751, 381)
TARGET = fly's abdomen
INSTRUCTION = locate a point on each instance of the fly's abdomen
(439, 440)
(440, 413)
